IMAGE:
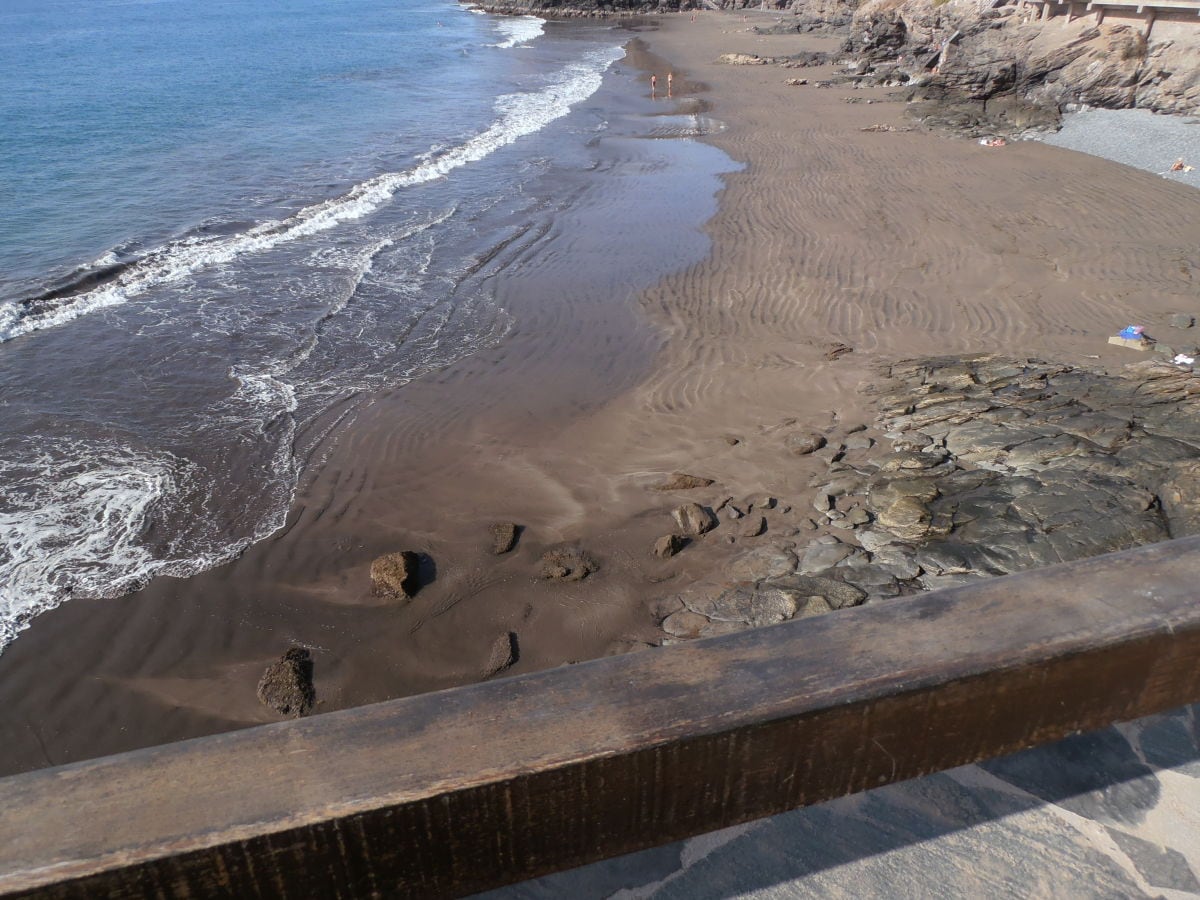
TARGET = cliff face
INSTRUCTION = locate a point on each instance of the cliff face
(982, 55)
(972, 64)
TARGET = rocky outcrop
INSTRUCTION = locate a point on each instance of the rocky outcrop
(977, 68)
(996, 466)
(287, 684)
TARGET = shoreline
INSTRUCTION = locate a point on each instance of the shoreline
(428, 465)
(832, 249)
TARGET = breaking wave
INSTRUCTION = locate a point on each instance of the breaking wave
(111, 285)
(519, 30)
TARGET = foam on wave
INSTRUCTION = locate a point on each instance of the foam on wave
(519, 115)
(519, 30)
(73, 529)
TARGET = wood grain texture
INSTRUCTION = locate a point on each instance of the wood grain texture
(453, 792)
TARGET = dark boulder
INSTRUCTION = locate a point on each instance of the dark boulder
(504, 653)
(694, 519)
(504, 537)
(287, 684)
(396, 574)
(668, 545)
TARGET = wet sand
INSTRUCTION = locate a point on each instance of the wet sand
(891, 244)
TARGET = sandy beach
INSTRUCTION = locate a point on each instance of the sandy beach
(831, 249)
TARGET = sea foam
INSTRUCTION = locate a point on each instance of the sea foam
(519, 30)
(72, 527)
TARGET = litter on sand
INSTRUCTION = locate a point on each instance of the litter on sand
(1133, 337)
(1132, 343)
(1182, 360)
(992, 142)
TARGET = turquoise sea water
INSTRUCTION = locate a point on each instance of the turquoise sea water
(130, 121)
(220, 220)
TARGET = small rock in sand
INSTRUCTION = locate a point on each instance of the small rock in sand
(753, 526)
(694, 519)
(741, 59)
(1181, 320)
(683, 482)
(503, 654)
(668, 545)
(566, 564)
(836, 348)
(802, 443)
(396, 574)
(504, 537)
(287, 684)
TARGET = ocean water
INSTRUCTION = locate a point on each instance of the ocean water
(223, 222)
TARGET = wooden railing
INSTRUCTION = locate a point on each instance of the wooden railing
(1149, 9)
(458, 791)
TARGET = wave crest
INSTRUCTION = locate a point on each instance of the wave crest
(519, 30)
(519, 115)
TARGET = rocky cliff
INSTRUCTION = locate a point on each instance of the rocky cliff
(1005, 59)
(973, 64)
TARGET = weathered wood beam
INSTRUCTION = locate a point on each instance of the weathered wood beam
(457, 791)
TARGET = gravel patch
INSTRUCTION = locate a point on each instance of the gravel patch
(1135, 137)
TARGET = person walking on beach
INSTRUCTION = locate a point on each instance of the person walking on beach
(670, 83)
(653, 85)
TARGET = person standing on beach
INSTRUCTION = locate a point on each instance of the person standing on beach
(653, 85)
(670, 83)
